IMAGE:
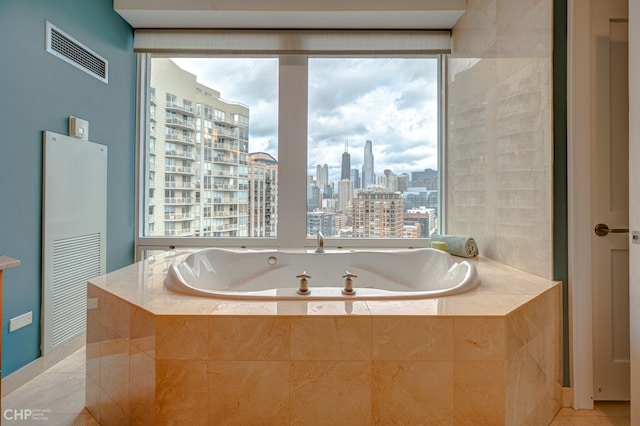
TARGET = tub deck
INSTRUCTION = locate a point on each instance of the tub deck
(488, 356)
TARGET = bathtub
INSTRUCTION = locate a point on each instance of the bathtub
(272, 274)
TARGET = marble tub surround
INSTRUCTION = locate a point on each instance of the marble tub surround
(489, 356)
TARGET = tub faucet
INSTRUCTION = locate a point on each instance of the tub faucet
(304, 284)
(348, 289)
(320, 248)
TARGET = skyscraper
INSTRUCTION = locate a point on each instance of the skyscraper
(368, 173)
(355, 178)
(322, 176)
(346, 163)
(263, 197)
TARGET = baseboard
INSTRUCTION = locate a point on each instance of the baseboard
(32, 370)
(567, 397)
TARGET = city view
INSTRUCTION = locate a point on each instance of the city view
(212, 148)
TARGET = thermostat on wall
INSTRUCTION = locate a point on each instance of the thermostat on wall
(78, 128)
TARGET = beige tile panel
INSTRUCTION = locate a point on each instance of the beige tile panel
(92, 398)
(479, 389)
(412, 393)
(114, 372)
(248, 338)
(182, 337)
(249, 392)
(479, 339)
(182, 392)
(315, 399)
(331, 338)
(532, 319)
(412, 338)
(143, 330)
(110, 412)
(142, 390)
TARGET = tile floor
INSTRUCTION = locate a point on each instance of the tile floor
(56, 397)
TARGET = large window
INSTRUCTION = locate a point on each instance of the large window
(270, 151)
(373, 147)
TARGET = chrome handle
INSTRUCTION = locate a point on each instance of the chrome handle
(348, 283)
(601, 230)
(304, 286)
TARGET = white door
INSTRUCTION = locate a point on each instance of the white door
(610, 199)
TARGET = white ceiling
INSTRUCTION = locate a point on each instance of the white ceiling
(292, 14)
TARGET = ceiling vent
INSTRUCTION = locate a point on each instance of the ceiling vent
(70, 50)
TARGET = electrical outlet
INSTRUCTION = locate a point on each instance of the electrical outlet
(20, 321)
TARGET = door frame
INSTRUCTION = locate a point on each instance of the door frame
(579, 202)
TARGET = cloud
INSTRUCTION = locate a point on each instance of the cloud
(393, 102)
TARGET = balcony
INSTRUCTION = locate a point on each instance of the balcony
(180, 123)
(233, 134)
(232, 227)
(225, 173)
(179, 201)
(225, 160)
(226, 187)
(174, 106)
(179, 185)
(225, 214)
(180, 170)
(178, 216)
(178, 232)
(223, 146)
(174, 137)
(225, 201)
(179, 154)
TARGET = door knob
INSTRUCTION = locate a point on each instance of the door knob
(601, 230)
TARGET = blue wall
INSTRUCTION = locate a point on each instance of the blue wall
(39, 92)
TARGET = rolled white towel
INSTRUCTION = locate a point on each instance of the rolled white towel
(458, 245)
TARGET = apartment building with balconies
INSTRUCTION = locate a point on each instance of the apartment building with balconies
(198, 170)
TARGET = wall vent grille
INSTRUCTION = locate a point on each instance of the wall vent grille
(75, 53)
(75, 261)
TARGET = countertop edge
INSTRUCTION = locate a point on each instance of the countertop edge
(7, 262)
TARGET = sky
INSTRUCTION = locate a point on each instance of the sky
(392, 102)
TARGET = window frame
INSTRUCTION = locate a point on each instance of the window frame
(292, 190)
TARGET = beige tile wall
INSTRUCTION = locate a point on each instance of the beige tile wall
(326, 369)
(499, 147)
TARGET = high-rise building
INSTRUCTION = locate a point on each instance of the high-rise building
(378, 214)
(198, 146)
(427, 179)
(345, 194)
(423, 216)
(263, 195)
(368, 172)
(346, 164)
(403, 182)
(314, 198)
(355, 178)
(389, 181)
(322, 176)
(420, 197)
(321, 221)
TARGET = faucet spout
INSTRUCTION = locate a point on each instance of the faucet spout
(320, 247)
